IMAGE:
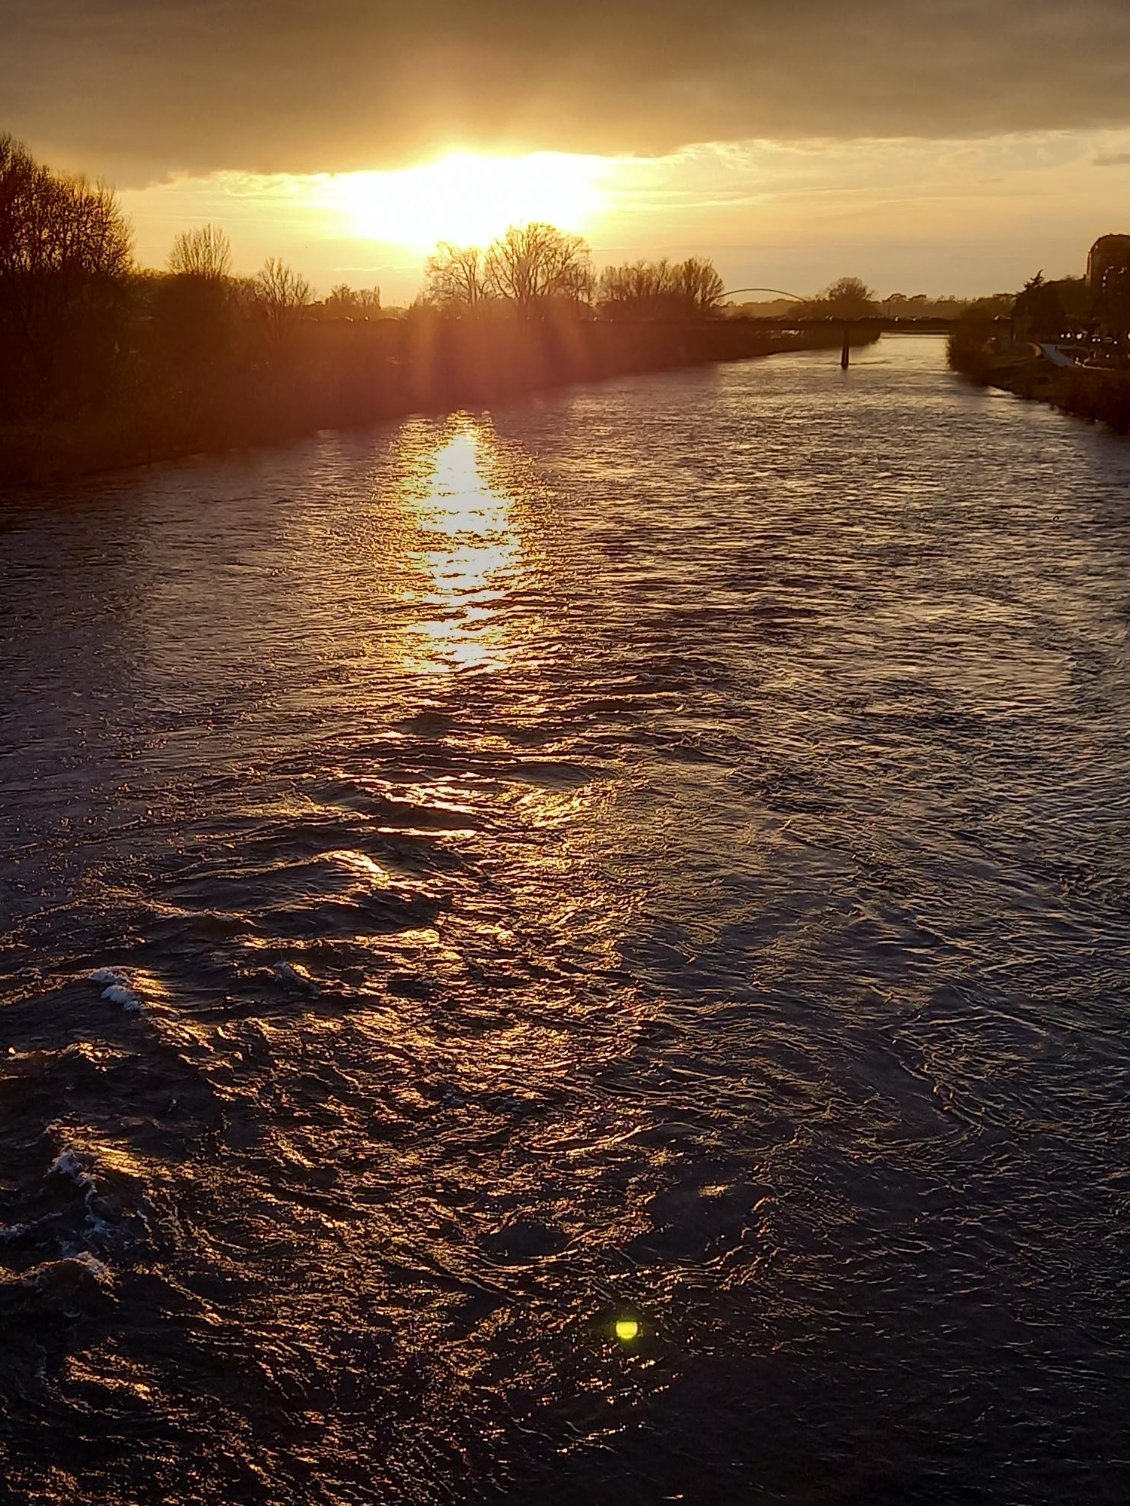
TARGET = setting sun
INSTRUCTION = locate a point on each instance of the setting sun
(469, 199)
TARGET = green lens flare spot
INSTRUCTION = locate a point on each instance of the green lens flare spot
(627, 1329)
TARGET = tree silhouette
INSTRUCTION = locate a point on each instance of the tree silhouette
(847, 298)
(54, 225)
(658, 290)
(534, 264)
(345, 302)
(195, 308)
(1047, 309)
(65, 258)
(279, 291)
(697, 285)
(203, 252)
(455, 276)
(639, 289)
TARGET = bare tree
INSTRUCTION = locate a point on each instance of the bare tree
(455, 276)
(280, 291)
(65, 256)
(203, 252)
(658, 290)
(533, 264)
(340, 302)
(53, 224)
(639, 289)
(696, 285)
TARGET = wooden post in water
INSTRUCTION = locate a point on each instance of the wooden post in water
(845, 353)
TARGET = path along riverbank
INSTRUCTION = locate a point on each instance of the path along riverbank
(1098, 394)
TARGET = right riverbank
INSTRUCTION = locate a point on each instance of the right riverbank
(1097, 394)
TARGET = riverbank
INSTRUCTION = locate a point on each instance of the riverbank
(343, 374)
(1091, 393)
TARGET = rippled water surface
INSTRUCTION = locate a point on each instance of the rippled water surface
(657, 853)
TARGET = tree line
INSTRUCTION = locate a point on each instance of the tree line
(535, 268)
(1075, 306)
(104, 362)
(1092, 309)
(79, 319)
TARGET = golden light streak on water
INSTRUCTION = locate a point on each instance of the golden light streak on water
(465, 555)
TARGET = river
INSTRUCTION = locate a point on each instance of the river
(657, 854)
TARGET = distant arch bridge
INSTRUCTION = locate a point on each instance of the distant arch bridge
(781, 293)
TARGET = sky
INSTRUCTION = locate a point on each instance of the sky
(935, 146)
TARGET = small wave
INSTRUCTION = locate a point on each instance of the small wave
(74, 1283)
(73, 1270)
(118, 989)
(72, 1165)
(295, 974)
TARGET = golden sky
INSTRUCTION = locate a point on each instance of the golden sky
(924, 145)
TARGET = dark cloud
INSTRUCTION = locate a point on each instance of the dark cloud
(1113, 159)
(147, 87)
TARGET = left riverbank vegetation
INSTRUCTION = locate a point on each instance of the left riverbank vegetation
(1065, 341)
(107, 364)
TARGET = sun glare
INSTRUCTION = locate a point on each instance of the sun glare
(468, 199)
(467, 555)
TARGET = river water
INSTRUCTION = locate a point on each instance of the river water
(657, 854)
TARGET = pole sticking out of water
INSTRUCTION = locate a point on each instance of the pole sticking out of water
(845, 353)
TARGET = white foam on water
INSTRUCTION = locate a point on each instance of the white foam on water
(70, 1164)
(97, 1268)
(292, 972)
(118, 989)
(126, 997)
(67, 1164)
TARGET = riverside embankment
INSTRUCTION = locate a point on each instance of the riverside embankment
(1095, 393)
(339, 374)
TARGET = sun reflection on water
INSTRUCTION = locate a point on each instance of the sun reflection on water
(466, 555)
